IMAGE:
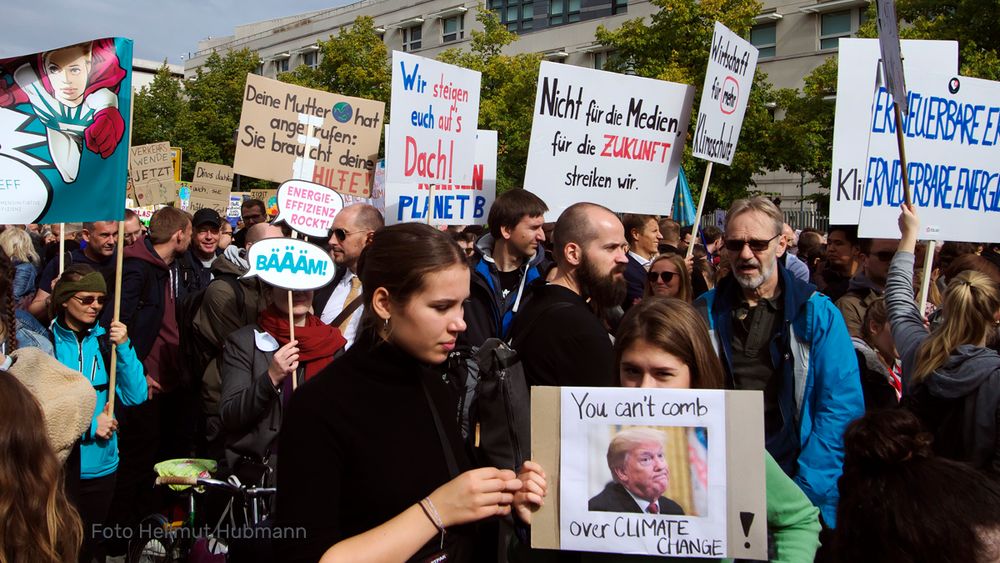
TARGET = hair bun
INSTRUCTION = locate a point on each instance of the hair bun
(886, 437)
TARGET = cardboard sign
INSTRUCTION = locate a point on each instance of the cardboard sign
(65, 125)
(606, 138)
(290, 263)
(712, 442)
(270, 199)
(952, 137)
(292, 132)
(454, 205)
(308, 208)
(732, 62)
(435, 113)
(151, 172)
(210, 187)
(856, 76)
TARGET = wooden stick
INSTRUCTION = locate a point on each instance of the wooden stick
(925, 281)
(62, 251)
(902, 154)
(113, 368)
(701, 208)
(291, 325)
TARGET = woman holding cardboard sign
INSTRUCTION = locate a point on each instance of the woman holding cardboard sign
(373, 465)
(259, 362)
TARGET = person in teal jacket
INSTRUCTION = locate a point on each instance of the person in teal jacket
(83, 345)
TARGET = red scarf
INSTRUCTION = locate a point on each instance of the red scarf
(317, 341)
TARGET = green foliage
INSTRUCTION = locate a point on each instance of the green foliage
(354, 63)
(975, 24)
(806, 131)
(508, 93)
(157, 109)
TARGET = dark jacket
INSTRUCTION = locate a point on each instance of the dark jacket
(194, 276)
(614, 498)
(488, 314)
(635, 280)
(875, 378)
(251, 408)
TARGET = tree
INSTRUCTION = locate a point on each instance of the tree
(674, 45)
(355, 63)
(157, 110)
(507, 96)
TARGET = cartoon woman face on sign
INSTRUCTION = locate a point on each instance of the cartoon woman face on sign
(74, 93)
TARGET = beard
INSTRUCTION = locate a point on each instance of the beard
(604, 289)
(752, 282)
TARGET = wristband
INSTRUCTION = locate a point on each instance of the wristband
(432, 514)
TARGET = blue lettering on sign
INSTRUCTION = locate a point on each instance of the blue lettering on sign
(446, 207)
(938, 118)
(286, 261)
(939, 185)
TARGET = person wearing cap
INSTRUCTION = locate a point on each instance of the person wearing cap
(196, 265)
(82, 344)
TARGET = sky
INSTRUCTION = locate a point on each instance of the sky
(161, 29)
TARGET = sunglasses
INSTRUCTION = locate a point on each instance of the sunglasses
(883, 256)
(342, 235)
(665, 276)
(736, 245)
(89, 300)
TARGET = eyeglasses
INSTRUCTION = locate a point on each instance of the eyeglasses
(756, 245)
(89, 300)
(342, 235)
(665, 276)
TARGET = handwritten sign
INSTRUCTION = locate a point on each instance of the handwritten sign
(307, 207)
(456, 205)
(290, 263)
(731, 64)
(606, 138)
(708, 486)
(210, 187)
(952, 137)
(151, 172)
(856, 72)
(289, 131)
(435, 112)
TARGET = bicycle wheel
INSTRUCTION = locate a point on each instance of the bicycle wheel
(154, 547)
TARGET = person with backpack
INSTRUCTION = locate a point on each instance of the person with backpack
(259, 363)
(82, 344)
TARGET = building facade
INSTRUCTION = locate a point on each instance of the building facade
(794, 37)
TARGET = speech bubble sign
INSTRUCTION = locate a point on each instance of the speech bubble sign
(24, 193)
(290, 263)
(307, 207)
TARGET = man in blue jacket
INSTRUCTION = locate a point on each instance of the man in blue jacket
(777, 334)
(507, 260)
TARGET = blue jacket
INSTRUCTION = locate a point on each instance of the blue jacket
(99, 457)
(821, 384)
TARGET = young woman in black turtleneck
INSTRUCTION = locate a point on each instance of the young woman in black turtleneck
(372, 465)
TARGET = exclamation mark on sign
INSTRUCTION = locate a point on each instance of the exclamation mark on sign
(746, 519)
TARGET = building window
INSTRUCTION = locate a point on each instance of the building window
(453, 28)
(281, 65)
(310, 59)
(619, 7)
(412, 37)
(517, 15)
(764, 37)
(260, 70)
(564, 11)
(833, 26)
(601, 59)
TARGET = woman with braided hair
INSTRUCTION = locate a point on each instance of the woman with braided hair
(18, 329)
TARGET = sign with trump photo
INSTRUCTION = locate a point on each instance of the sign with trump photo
(647, 471)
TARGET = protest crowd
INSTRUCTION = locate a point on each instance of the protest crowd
(352, 377)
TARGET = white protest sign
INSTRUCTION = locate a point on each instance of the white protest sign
(732, 61)
(952, 135)
(434, 116)
(290, 263)
(456, 205)
(606, 138)
(703, 451)
(856, 74)
(307, 207)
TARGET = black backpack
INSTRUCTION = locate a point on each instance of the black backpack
(198, 352)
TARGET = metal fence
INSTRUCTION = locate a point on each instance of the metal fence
(797, 219)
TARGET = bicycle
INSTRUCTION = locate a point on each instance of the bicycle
(182, 541)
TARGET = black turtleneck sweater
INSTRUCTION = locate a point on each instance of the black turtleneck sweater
(359, 446)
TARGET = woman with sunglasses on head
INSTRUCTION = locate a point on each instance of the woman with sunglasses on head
(83, 345)
(668, 277)
(372, 463)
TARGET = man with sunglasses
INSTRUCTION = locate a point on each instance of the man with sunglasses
(868, 283)
(777, 334)
(340, 300)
